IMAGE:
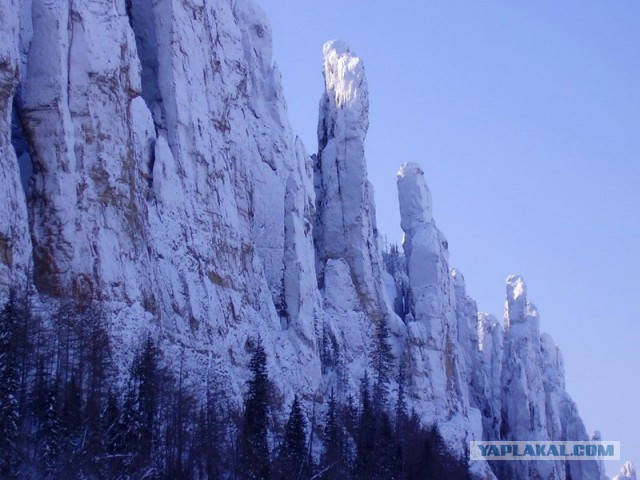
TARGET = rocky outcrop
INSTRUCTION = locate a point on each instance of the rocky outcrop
(90, 149)
(15, 245)
(440, 344)
(535, 404)
(523, 396)
(563, 419)
(167, 185)
(481, 380)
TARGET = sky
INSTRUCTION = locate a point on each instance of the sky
(525, 117)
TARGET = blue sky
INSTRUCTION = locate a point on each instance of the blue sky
(525, 117)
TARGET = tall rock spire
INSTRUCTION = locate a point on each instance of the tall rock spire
(345, 223)
(427, 255)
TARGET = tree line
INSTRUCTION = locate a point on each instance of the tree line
(67, 413)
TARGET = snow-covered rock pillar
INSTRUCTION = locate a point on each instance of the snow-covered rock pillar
(14, 235)
(345, 224)
(427, 255)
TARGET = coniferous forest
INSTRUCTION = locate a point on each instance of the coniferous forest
(67, 412)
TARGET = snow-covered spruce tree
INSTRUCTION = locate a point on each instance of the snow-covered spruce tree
(254, 447)
(112, 434)
(99, 372)
(210, 438)
(385, 453)
(179, 429)
(334, 463)
(364, 467)
(9, 407)
(132, 427)
(293, 459)
(146, 377)
(50, 434)
(401, 417)
(381, 363)
(401, 413)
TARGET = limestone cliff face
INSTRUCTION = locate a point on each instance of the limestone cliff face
(15, 245)
(166, 179)
(147, 163)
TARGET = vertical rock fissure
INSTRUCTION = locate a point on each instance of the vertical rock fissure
(142, 21)
(21, 144)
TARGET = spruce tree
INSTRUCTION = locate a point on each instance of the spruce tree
(111, 434)
(210, 435)
(382, 360)
(98, 361)
(333, 464)
(293, 459)
(146, 376)
(364, 468)
(254, 447)
(9, 407)
(401, 402)
(401, 418)
(50, 433)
